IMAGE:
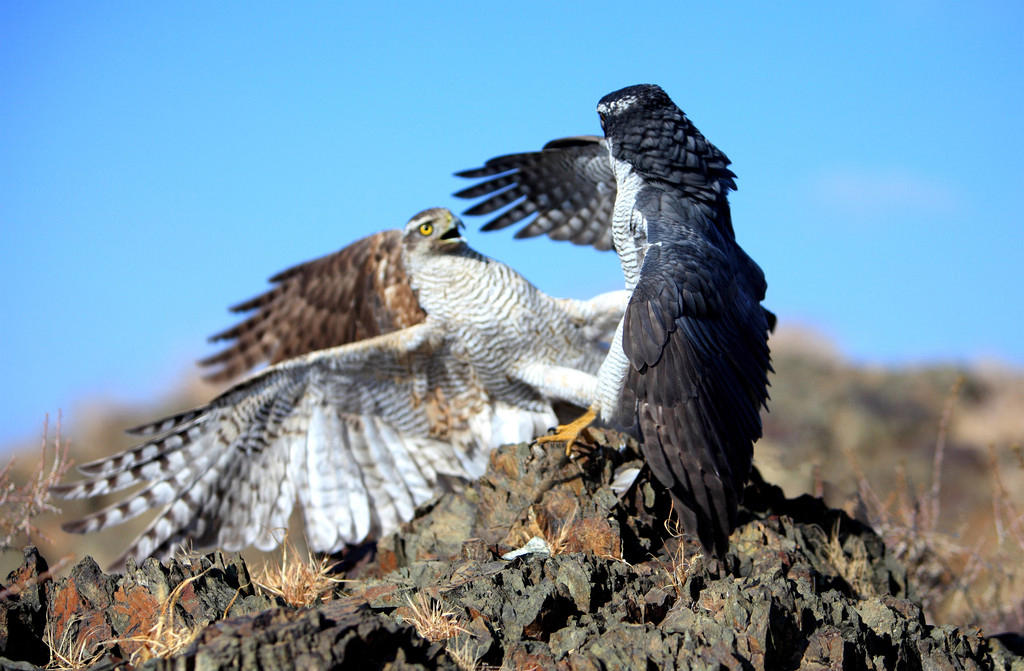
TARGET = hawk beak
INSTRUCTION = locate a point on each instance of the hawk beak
(453, 232)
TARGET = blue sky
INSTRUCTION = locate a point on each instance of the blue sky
(158, 161)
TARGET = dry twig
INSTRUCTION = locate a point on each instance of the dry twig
(20, 504)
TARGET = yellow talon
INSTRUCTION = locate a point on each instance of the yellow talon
(568, 433)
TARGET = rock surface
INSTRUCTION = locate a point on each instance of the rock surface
(609, 586)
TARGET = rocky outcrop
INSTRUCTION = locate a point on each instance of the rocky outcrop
(543, 563)
(206, 612)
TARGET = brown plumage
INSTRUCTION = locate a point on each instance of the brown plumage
(358, 292)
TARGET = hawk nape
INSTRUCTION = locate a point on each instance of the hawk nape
(689, 363)
(363, 433)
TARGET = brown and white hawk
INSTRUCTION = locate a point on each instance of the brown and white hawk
(362, 433)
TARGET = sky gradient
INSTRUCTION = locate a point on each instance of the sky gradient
(159, 161)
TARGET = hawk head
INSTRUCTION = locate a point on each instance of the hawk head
(622, 101)
(632, 107)
(645, 129)
(433, 231)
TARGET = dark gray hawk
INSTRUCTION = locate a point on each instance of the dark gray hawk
(689, 363)
(362, 433)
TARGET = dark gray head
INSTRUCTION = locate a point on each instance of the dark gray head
(646, 129)
(633, 100)
(636, 107)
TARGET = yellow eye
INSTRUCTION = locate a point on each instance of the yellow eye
(426, 229)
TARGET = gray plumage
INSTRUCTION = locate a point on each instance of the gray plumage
(363, 433)
(690, 359)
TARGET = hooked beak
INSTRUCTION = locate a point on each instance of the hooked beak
(454, 226)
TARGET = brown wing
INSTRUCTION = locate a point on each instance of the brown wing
(358, 292)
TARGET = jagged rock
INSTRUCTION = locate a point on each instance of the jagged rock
(23, 610)
(802, 587)
(341, 632)
(88, 609)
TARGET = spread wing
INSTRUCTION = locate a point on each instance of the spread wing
(696, 338)
(360, 435)
(569, 184)
(358, 292)
(597, 317)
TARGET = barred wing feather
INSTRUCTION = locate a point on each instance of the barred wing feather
(360, 435)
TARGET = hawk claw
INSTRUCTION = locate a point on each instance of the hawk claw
(568, 433)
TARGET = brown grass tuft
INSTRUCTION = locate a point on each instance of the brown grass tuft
(680, 568)
(63, 653)
(466, 654)
(431, 621)
(435, 624)
(168, 636)
(556, 536)
(539, 524)
(299, 582)
(854, 567)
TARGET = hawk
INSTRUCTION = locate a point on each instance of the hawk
(689, 361)
(362, 433)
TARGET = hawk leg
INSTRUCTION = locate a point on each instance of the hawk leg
(568, 433)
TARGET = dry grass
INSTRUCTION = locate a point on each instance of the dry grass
(556, 536)
(432, 622)
(436, 624)
(466, 654)
(64, 654)
(992, 591)
(854, 566)
(20, 504)
(300, 582)
(680, 567)
(168, 635)
(973, 575)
